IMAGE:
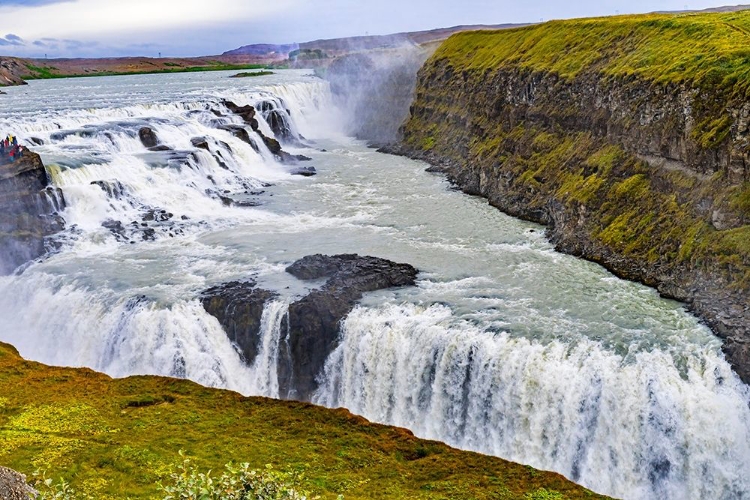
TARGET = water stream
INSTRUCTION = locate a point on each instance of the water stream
(505, 346)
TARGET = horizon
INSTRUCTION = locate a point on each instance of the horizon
(75, 29)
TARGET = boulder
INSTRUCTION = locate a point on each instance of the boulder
(199, 142)
(148, 137)
(247, 113)
(13, 486)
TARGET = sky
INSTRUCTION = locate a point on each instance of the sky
(180, 28)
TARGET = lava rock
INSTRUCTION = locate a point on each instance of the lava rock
(148, 137)
(160, 147)
(304, 171)
(247, 113)
(239, 308)
(239, 132)
(313, 322)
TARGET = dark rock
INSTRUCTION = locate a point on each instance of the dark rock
(313, 322)
(148, 137)
(239, 132)
(13, 486)
(239, 308)
(149, 234)
(114, 188)
(272, 144)
(116, 228)
(304, 171)
(199, 142)
(247, 113)
(161, 147)
(29, 209)
(37, 141)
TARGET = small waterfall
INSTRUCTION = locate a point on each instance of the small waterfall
(265, 373)
(641, 428)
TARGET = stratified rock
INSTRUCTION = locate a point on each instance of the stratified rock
(313, 322)
(13, 486)
(239, 132)
(311, 327)
(28, 211)
(148, 137)
(239, 308)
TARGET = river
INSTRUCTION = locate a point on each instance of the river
(505, 347)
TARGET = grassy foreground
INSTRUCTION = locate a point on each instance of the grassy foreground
(116, 438)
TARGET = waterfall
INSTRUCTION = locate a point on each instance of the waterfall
(635, 426)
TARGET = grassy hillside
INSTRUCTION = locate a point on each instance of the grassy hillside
(702, 49)
(117, 438)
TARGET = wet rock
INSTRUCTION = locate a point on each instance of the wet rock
(148, 137)
(247, 113)
(239, 308)
(304, 171)
(13, 486)
(313, 322)
(149, 234)
(199, 142)
(116, 228)
(238, 131)
(161, 147)
(29, 210)
(272, 144)
(114, 188)
(37, 141)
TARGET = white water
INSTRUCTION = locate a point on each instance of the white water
(505, 347)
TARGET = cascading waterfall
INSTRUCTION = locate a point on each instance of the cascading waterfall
(634, 399)
(633, 425)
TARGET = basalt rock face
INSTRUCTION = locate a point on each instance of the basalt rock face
(239, 308)
(313, 322)
(13, 486)
(310, 329)
(29, 211)
(650, 179)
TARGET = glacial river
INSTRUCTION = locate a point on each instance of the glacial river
(505, 347)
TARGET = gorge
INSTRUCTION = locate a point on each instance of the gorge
(197, 245)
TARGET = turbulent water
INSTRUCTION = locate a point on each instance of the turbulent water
(504, 347)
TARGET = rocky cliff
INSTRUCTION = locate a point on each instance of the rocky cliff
(29, 209)
(629, 137)
(11, 70)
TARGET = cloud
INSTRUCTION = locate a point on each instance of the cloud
(31, 3)
(11, 39)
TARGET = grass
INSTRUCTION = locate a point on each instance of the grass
(46, 73)
(118, 438)
(253, 74)
(704, 50)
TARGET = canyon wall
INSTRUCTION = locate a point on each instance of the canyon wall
(629, 137)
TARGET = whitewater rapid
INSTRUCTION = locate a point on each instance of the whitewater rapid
(505, 347)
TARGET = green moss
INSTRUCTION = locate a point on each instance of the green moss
(118, 438)
(702, 49)
(712, 132)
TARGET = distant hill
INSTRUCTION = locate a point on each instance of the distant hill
(728, 8)
(339, 46)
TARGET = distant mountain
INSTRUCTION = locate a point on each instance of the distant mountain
(338, 46)
(262, 49)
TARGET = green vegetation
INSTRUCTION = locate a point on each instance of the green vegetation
(705, 50)
(114, 439)
(45, 73)
(252, 74)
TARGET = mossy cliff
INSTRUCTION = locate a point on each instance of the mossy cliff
(628, 136)
(117, 438)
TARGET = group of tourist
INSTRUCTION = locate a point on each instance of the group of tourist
(9, 149)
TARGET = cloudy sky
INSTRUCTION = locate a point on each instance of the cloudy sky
(98, 28)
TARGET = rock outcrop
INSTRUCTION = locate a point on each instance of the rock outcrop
(645, 170)
(13, 486)
(29, 211)
(311, 326)
(11, 70)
